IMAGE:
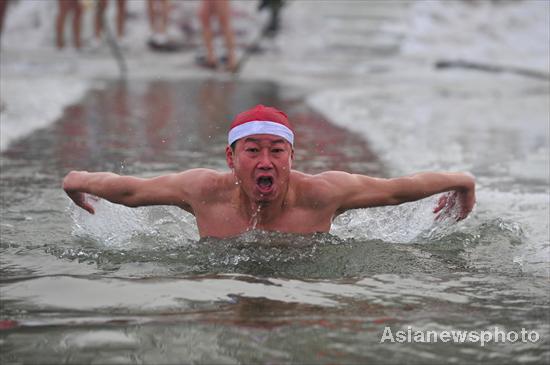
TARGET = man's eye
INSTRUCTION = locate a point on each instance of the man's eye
(252, 150)
(277, 150)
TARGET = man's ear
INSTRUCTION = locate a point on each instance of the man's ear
(229, 157)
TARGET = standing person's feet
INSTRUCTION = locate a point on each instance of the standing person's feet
(158, 39)
(231, 65)
(205, 62)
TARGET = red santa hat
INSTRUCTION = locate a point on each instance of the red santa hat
(260, 120)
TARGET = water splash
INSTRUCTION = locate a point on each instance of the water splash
(118, 226)
(254, 218)
(254, 252)
(167, 237)
(399, 224)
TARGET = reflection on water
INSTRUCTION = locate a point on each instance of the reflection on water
(137, 285)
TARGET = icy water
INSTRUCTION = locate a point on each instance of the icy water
(138, 286)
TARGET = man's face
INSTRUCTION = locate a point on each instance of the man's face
(262, 164)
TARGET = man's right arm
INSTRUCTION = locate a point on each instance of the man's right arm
(173, 189)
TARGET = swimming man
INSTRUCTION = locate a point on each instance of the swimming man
(262, 190)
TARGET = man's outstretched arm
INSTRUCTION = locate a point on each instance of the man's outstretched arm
(172, 189)
(359, 191)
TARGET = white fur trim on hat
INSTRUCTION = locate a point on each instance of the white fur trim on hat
(260, 127)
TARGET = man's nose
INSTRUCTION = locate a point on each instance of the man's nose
(265, 161)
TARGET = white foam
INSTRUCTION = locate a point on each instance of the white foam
(117, 226)
(513, 34)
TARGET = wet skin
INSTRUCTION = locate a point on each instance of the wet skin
(263, 192)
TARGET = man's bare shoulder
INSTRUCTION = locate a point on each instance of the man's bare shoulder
(322, 180)
(199, 174)
(319, 188)
(206, 184)
(334, 189)
(344, 179)
(329, 185)
(204, 179)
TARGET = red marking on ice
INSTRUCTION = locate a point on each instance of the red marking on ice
(384, 320)
(7, 324)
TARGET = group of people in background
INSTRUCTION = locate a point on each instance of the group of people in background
(158, 11)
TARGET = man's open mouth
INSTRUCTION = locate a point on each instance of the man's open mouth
(264, 183)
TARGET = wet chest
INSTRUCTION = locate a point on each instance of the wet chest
(223, 221)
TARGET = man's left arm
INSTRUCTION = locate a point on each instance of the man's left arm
(460, 185)
(360, 191)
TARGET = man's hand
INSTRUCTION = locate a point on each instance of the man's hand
(80, 199)
(70, 184)
(466, 200)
